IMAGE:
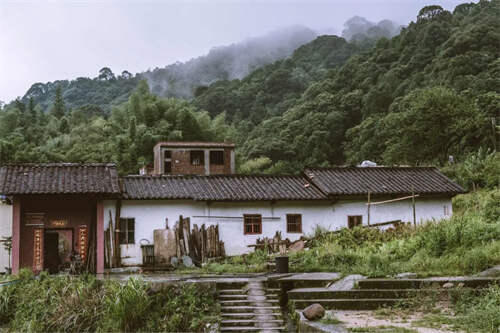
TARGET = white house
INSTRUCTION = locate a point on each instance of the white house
(246, 207)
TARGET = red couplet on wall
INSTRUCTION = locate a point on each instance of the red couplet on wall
(38, 249)
(82, 242)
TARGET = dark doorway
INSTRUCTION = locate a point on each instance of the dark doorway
(51, 252)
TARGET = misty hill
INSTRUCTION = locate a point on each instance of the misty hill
(227, 62)
(272, 89)
(176, 80)
(358, 28)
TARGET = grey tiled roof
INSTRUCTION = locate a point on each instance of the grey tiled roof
(221, 188)
(381, 180)
(59, 178)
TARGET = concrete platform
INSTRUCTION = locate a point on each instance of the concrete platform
(347, 304)
(438, 282)
(310, 279)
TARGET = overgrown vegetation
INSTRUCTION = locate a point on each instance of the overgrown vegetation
(467, 243)
(85, 304)
(479, 313)
(460, 309)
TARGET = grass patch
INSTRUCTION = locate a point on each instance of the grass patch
(479, 313)
(382, 329)
(330, 319)
(436, 321)
(84, 304)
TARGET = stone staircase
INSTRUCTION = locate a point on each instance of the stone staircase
(374, 293)
(250, 307)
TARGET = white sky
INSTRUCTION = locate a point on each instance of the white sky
(46, 40)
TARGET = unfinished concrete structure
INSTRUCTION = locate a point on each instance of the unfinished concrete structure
(194, 158)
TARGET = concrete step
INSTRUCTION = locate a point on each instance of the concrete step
(231, 285)
(310, 280)
(324, 293)
(231, 291)
(347, 304)
(247, 308)
(236, 296)
(247, 315)
(273, 290)
(247, 322)
(245, 301)
(425, 283)
(241, 315)
(250, 329)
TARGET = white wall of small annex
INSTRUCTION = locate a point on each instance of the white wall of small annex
(151, 214)
(5, 231)
(425, 209)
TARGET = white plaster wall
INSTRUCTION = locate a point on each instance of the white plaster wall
(151, 214)
(231, 230)
(425, 209)
(5, 231)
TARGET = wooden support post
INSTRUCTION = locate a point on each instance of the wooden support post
(16, 235)
(368, 210)
(116, 235)
(413, 204)
(100, 237)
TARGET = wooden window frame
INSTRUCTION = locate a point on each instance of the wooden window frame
(252, 220)
(357, 221)
(217, 161)
(201, 157)
(125, 237)
(294, 226)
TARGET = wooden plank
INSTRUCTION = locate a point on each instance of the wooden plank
(392, 200)
(185, 234)
(177, 240)
(203, 244)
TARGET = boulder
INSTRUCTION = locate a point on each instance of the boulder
(491, 272)
(187, 261)
(448, 285)
(314, 312)
(174, 261)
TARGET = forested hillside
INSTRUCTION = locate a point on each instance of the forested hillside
(176, 80)
(418, 98)
(428, 93)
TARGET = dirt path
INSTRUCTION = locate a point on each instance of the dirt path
(351, 319)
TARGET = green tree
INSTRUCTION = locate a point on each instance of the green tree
(58, 108)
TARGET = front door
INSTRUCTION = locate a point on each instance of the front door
(51, 258)
(58, 249)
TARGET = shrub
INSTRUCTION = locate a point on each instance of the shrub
(84, 304)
